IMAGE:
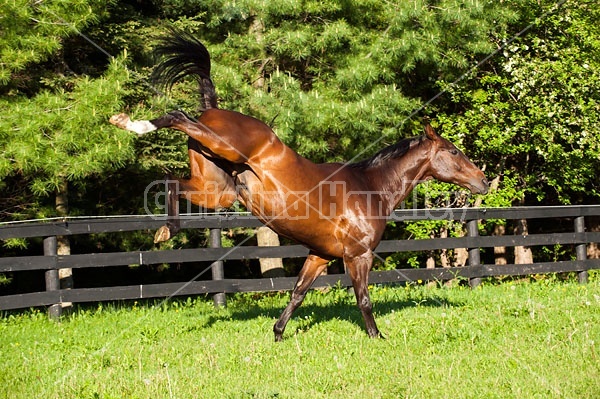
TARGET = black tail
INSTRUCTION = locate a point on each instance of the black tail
(183, 55)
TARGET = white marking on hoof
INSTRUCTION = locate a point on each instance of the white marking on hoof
(139, 127)
(119, 120)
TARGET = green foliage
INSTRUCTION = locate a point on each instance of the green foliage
(15, 243)
(5, 279)
(33, 31)
(332, 69)
(68, 138)
(336, 80)
(535, 119)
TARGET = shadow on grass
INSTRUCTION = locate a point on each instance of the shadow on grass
(318, 308)
(311, 313)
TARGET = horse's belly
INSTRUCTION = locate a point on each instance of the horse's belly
(317, 237)
(298, 215)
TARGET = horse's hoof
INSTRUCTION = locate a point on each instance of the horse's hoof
(375, 334)
(163, 234)
(120, 120)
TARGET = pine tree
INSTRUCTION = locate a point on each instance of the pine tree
(59, 137)
(341, 79)
(55, 135)
(32, 32)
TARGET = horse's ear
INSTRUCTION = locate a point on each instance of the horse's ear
(429, 132)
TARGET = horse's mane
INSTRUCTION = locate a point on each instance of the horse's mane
(391, 152)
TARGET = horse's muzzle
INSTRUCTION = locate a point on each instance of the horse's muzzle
(479, 187)
(485, 186)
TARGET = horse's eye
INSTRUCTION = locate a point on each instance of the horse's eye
(454, 151)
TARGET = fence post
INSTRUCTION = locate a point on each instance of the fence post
(581, 249)
(474, 255)
(51, 276)
(218, 273)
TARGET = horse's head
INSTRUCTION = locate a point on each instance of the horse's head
(450, 165)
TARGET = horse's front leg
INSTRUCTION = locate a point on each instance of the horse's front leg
(313, 267)
(358, 267)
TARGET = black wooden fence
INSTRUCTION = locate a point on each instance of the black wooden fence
(575, 237)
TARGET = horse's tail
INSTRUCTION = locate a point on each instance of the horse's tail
(183, 55)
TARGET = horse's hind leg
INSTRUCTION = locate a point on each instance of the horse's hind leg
(358, 267)
(142, 127)
(173, 225)
(206, 194)
(221, 134)
(209, 187)
(313, 267)
(139, 127)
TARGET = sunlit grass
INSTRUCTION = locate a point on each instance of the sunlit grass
(510, 340)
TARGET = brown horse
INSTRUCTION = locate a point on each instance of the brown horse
(336, 210)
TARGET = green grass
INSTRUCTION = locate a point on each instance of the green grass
(519, 340)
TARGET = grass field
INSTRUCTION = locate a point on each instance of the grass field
(514, 340)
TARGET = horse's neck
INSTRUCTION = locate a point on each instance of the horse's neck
(395, 179)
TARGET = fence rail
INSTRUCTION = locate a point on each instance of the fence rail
(51, 262)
